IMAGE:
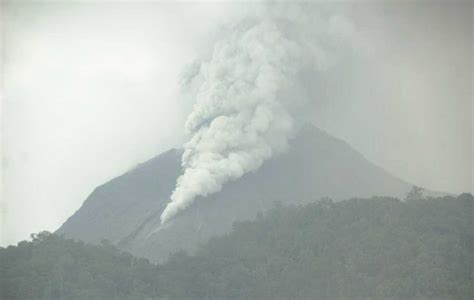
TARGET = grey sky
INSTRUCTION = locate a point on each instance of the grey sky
(90, 90)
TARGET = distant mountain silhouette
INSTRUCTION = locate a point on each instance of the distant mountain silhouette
(127, 209)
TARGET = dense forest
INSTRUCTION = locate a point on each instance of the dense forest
(377, 248)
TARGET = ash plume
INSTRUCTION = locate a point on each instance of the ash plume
(245, 99)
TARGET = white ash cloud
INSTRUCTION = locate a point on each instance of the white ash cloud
(245, 96)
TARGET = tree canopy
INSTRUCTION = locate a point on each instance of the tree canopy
(377, 248)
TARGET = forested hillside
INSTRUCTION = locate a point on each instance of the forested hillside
(51, 267)
(377, 248)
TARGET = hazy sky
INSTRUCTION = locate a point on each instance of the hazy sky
(90, 90)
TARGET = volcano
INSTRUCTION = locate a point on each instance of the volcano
(126, 210)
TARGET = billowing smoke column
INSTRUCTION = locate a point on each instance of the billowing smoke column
(239, 119)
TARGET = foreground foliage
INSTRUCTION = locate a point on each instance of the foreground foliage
(51, 267)
(378, 248)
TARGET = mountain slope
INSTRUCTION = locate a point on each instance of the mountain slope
(127, 209)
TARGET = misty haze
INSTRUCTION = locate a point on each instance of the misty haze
(236, 150)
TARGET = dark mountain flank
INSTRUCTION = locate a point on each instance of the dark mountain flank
(126, 210)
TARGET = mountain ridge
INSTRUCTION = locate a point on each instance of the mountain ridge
(126, 210)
